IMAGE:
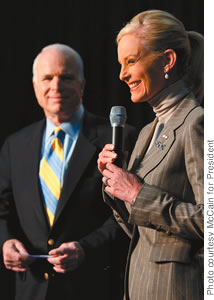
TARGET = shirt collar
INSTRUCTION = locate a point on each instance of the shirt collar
(71, 126)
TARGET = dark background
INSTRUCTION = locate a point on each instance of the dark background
(90, 27)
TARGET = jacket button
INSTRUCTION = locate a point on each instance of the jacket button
(51, 242)
(46, 276)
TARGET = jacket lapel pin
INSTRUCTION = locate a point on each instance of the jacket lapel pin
(160, 145)
(165, 137)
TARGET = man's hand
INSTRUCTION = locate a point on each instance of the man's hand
(67, 257)
(13, 259)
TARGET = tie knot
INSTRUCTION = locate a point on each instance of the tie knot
(59, 133)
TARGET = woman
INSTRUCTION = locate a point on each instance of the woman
(163, 187)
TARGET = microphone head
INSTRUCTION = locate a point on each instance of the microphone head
(118, 116)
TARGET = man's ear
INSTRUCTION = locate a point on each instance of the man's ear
(34, 87)
(34, 83)
(170, 59)
(83, 87)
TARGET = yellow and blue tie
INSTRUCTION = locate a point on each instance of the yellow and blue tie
(50, 173)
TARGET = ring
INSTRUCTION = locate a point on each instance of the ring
(106, 180)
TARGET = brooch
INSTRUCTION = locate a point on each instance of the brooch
(160, 145)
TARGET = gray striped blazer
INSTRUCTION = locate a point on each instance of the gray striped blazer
(166, 221)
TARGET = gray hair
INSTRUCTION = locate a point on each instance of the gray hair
(67, 51)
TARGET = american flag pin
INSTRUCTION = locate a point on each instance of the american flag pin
(165, 137)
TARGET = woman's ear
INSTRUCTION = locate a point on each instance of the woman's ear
(170, 59)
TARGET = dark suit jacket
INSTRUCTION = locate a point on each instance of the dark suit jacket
(81, 214)
(167, 217)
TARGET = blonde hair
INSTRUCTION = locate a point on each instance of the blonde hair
(194, 77)
(160, 30)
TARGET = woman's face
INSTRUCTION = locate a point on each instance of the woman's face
(140, 69)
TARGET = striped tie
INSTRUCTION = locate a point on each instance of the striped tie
(50, 173)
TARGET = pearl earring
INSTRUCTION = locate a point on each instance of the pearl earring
(166, 75)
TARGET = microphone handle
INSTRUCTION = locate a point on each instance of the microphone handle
(118, 141)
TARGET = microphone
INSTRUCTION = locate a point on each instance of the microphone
(118, 120)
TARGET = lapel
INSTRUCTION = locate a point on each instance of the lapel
(146, 162)
(142, 146)
(30, 171)
(82, 155)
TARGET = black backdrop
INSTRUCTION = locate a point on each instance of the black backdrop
(90, 27)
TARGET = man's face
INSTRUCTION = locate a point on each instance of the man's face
(57, 85)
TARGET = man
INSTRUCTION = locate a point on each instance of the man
(56, 232)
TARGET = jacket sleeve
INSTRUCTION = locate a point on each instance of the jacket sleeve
(163, 211)
(6, 195)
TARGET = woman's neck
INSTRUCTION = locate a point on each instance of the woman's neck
(165, 102)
